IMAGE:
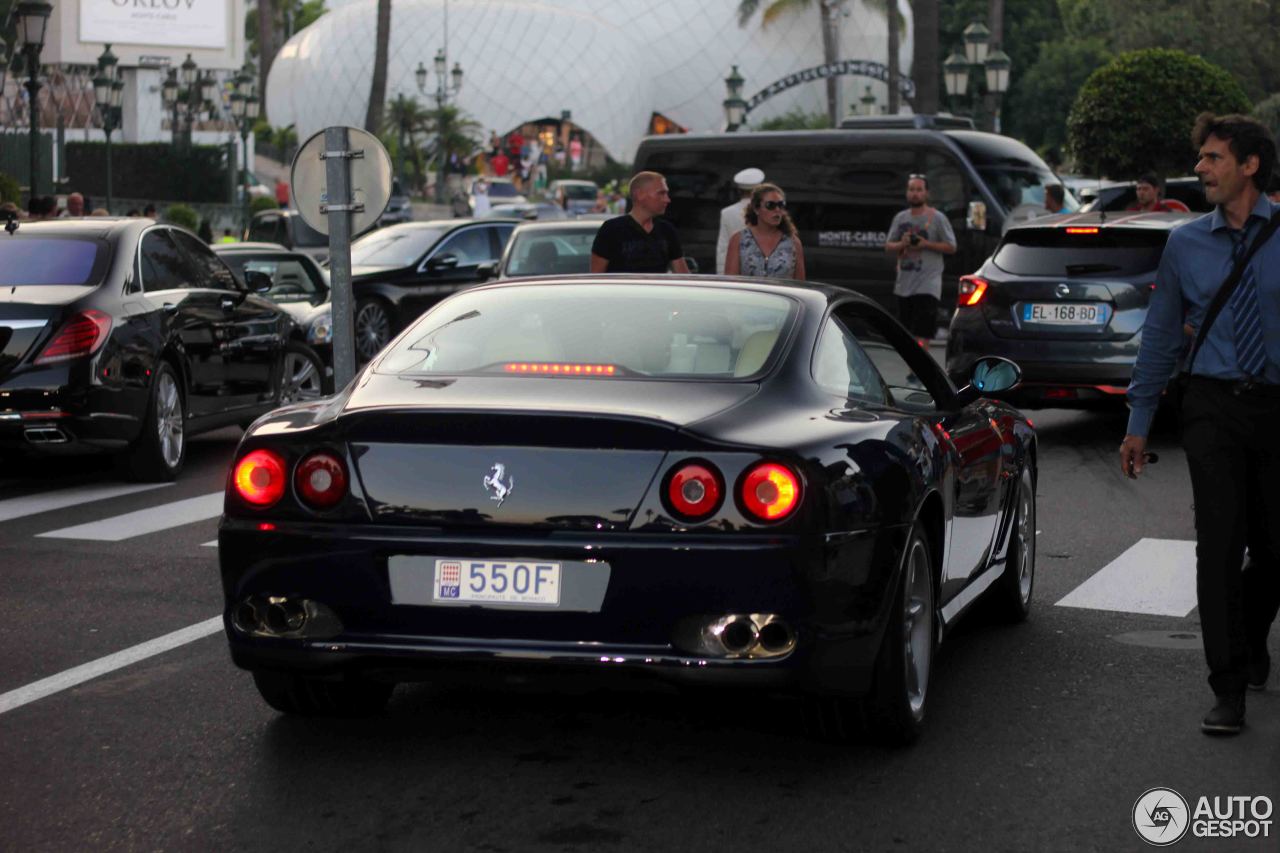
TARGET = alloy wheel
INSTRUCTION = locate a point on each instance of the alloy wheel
(373, 330)
(918, 627)
(302, 379)
(1026, 534)
(169, 420)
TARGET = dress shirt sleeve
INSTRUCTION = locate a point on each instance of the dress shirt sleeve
(1162, 343)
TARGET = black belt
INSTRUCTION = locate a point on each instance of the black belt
(1241, 387)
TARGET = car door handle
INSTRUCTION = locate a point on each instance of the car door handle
(169, 308)
(228, 303)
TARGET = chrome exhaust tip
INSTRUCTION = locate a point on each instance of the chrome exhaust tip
(288, 618)
(45, 435)
(777, 637)
(737, 636)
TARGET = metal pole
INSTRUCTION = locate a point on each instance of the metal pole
(440, 102)
(244, 145)
(33, 87)
(109, 128)
(338, 208)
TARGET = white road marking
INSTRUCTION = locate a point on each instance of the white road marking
(85, 672)
(144, 521)
(11, 508)
(1155, 576)
(213, 544)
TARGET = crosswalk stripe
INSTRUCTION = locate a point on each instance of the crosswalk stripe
(1155, 576)
(144, 521)
(11, 508)
(85, 672)
(210, 544)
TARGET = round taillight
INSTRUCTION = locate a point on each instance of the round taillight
(260, 478)
(770, 491)
(321, 480)
(694, 490)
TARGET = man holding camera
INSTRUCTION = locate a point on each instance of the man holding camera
(919, 236)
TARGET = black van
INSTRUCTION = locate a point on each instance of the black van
(844, 186)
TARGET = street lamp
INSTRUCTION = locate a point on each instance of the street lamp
(955, 72)
(448, 83)
(108, 95)
(976, 39)
(245, 109)
(981, 54)
(735, 108)
(32, 19)
(998, 64)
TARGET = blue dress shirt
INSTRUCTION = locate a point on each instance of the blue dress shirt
(1196, 261)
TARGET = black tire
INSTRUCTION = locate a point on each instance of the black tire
(372, 328)
(895, 710)
(157, 455)
(301, 374)
(1009, 599)
(311, 697)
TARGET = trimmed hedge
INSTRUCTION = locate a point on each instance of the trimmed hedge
(1136, 114)
(155, 170)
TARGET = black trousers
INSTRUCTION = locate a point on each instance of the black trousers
(919, 314)
(1232, 441)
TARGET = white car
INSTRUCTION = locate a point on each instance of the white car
(501, 191)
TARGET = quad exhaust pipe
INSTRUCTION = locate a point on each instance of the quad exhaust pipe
(754, 636)
(286, 618)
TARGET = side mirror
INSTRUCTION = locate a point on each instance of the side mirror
(257, 281)
(443, 262)
(976, 217)
(990, 375)
(486, 271)
(691, 264)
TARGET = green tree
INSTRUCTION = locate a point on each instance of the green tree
(1136, 113)
(183, 215)
(1038, 106)
(404, 120)
(796, 119)
(1268, 112)
(828, 11)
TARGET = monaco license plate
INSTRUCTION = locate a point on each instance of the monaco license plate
(1071, 314)
(497, 582)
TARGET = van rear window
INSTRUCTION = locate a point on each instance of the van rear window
(1083, 252)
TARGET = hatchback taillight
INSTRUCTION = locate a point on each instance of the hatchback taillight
(694, 490)
(769, 491)
(79, 336)
(259, 478)
(972, 290)
(320, 480)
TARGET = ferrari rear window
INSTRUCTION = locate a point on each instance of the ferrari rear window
(612, 330)
(33, 260)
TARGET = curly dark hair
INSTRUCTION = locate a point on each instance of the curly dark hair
(757, 197)
(1245, 136)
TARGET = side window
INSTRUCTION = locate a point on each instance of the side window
(907, 390)
(503, 235)
(947, 190)
(265, 229)
(470, 246)
(289, 279)
(212, 272)
(842, 367)
(164, 267)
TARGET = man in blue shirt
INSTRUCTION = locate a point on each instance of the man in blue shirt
(1231, 406)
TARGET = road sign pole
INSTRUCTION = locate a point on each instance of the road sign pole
(339, 209)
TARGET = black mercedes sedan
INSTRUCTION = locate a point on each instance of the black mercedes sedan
(126, 336)
(716, 480)
(402, 270)
(1065, 297)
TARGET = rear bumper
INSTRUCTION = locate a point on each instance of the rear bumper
(41, 414)
(835, 601)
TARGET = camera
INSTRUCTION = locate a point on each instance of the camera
(913, 239)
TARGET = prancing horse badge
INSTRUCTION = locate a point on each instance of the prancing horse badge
(494, 485)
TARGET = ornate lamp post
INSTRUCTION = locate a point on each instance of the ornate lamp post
(978, 53)
(868, 102)
(32, 19)
(108, 95)
(735, 108)
(448, 84)
(245, 109)
(955, 73)
(976, 39)
(998, 65)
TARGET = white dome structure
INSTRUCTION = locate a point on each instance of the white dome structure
(611, 64)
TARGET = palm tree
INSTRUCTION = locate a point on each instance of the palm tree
(925, 60)
(405, 117)
(266, 39)
(452, 132)
(827, 12)
(378, 88)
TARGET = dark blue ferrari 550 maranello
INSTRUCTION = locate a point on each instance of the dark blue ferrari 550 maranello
(713, 479)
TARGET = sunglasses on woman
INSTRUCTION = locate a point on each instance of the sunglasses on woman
(774, 205)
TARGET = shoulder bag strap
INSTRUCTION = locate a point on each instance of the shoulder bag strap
(1228, 287)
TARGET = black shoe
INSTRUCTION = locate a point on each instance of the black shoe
(1226, 718)
(1259, 669)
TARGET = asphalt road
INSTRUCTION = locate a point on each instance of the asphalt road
(1040, 736)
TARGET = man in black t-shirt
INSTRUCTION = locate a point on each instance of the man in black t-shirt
(638, 241)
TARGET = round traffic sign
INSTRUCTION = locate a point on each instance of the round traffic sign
(370, 180)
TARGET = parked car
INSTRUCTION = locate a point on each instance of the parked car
(301, 287)
(548, 248)
(1065, 297)
(705, 480)
(402, 270)
(399, 207)
(1119, 196)
(125, 336)
(542, 210)
(844, 187)
(287, 228)
(257, 188)
(501, 191)
(574, 196)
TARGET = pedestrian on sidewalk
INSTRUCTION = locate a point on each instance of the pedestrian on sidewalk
(639, 241)
(732, 217)
(919, 236)
(768, 247)
(1230, 400)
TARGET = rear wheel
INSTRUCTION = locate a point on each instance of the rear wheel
(302, 374)
(158, 453)
(1010, 596)
(372, 328)
(312, 697)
